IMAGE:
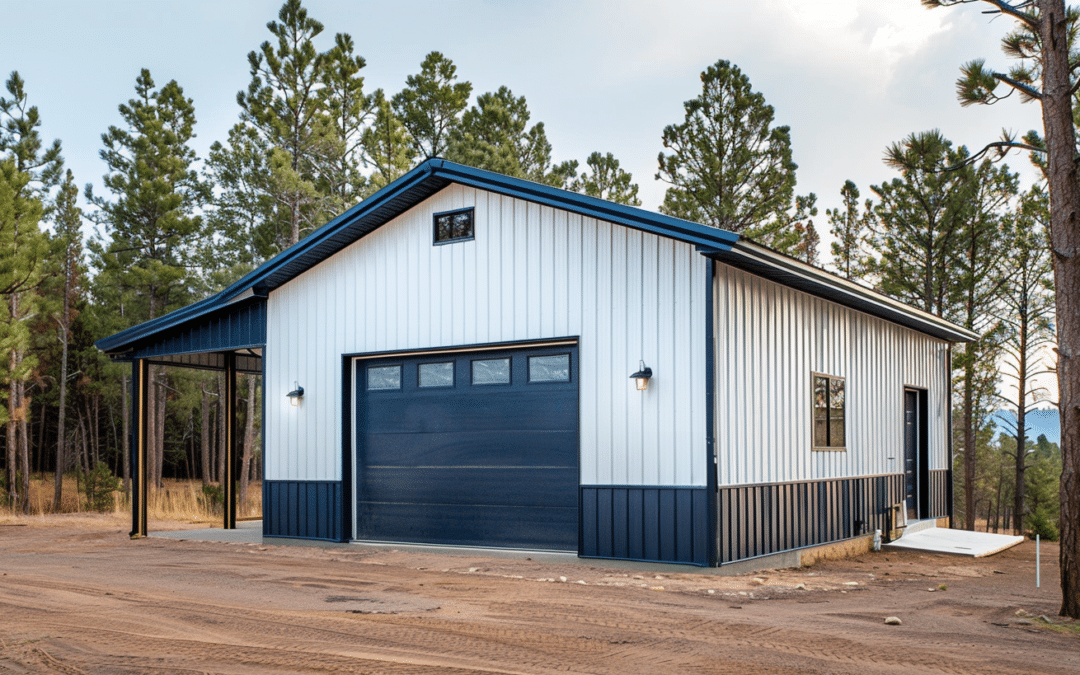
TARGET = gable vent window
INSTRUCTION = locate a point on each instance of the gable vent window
(453, 226)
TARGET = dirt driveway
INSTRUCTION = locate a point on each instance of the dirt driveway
(77, 596)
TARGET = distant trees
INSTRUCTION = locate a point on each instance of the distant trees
(27, 173)
(850, 229)
(1043, 46)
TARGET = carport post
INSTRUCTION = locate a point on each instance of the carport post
(140, 375)
(228, 481)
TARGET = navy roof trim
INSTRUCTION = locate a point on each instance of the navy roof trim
(394, 199)
(796, 274)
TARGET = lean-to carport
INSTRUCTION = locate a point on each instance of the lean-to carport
(205, 336)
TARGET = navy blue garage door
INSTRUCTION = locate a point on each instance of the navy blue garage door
(469, 449)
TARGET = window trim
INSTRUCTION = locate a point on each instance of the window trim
(471, 210)
(813, 441)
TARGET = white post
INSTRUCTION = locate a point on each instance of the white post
(1037, 561)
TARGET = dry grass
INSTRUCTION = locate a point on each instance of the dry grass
(176, 500)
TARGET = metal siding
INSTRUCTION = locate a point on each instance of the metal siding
(654, 523)
(769, 340)
(303, 510)
(532, 272)
(757, 520)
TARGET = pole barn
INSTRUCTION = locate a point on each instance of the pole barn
(469, 359)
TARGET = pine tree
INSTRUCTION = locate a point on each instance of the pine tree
(285, 106)
(1027, 303)
(494, 134)
(919, 216)
(727, 165)
(1043, 44)
(606, 179)
(850, 230)
(349, 111)
(22, 249)
(806, 245)
(388, 148)
(67, 255)
(143, 270)
(23, 259)
(431, 104)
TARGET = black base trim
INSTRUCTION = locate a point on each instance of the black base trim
(645, 523)
(303, 509)
(757, 520)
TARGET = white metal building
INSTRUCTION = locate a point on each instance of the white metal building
(449, 362)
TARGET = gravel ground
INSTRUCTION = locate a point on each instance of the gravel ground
(77, 596)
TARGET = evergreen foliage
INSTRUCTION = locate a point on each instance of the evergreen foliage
(604, 179)
(850, 229)
(388, 147)
(494, 134)
(430, 105)
(151, 218)
(728, 166)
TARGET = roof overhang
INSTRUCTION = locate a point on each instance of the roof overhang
(766, 263)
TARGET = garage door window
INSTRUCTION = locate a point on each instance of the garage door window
(491, 371)
(383, 378)
(555, 368)
(436, 374)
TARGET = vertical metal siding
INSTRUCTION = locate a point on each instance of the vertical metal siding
(531, 273)
(770, 339)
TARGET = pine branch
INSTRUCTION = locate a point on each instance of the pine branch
(1003, 7)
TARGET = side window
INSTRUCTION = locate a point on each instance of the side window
(829, 413)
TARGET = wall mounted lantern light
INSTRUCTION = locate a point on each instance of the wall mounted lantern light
(641, 377)
(295, 395)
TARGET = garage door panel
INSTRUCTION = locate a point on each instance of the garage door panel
(489, 409)
(478, 465)
(553, 529)
(473, 448)
(524, 487)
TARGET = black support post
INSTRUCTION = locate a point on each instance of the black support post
(140, 377)
(228, 481)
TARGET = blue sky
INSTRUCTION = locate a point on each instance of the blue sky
(848, 76)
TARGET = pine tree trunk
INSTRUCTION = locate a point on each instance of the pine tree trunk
(126, 426)
(968, 425)
(1019, 487)
(24, 446)
(249, 441)
(207, 477)
(221, 428)
(1064, 183)
(159, 444)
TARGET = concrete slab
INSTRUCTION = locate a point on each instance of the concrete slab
(960, 542)
(246, 532)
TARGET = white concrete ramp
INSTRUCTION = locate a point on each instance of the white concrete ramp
(961, 542)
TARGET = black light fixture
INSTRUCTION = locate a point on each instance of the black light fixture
(295, 395)
(641, 377)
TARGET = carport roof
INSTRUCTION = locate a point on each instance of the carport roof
(417, 185)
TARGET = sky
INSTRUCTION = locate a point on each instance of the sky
(848, 77)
